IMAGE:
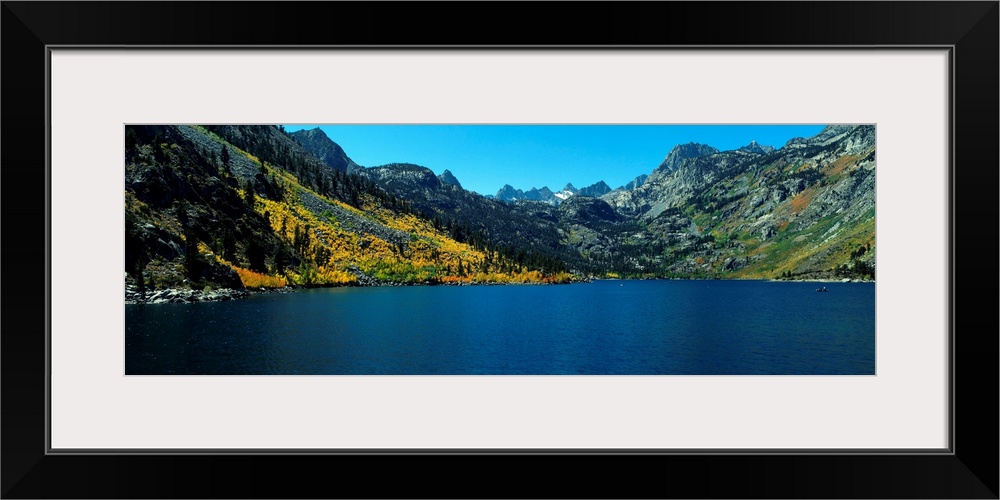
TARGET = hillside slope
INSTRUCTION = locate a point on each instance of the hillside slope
(202, 212)
(806, 210)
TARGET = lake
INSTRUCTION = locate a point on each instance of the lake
(628, 327)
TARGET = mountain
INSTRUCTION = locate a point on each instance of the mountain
(805, 210)
(565, 192)
(686, 170)
(634, 183)
(545, 194)
(595, 190)
(647, 199)
(683, 152)
(317, 142)
(393, 174)
(753, 147)
(522, 230)
(509, 194)
(448, 178)
(239, 207)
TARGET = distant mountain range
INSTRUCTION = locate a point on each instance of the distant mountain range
(676, 156)
(508, 193)
(753, 212)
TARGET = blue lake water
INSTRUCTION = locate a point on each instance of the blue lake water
(601, 328)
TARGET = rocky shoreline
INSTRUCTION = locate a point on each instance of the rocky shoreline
(189, 296)
(182, 296)
(824, 280)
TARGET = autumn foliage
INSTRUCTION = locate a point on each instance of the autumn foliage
(333, 251)
(251, 279)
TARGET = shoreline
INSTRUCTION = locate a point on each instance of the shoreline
(774, 280)
(191, 296)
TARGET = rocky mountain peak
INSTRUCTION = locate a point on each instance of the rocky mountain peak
(508, 193)
(402, 167)
(447, 177)
(834, 133)
(403, 173)
(565, 193)
(595, 190)
(755, 147)
(317, 143)
(634, 183)
(682, 152)
(313, 133)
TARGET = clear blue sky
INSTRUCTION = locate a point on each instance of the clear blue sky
(485, 157)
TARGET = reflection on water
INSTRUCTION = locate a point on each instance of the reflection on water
(606, 327)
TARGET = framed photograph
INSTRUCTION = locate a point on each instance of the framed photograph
(255, 107)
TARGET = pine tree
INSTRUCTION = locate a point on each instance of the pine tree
(134, 253)
(248, 195)
(192, 260)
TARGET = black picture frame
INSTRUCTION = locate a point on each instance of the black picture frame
(970, 28)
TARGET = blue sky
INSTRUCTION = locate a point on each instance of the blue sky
(485, 157)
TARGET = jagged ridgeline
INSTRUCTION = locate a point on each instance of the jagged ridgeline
(804, 211)
(253, 206)
(247, 206)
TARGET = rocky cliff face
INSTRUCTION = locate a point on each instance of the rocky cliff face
(634, 183)
(595, 190)
(803, 209)
(317, 143)
(447, 177)
(753, 147)
(403, 174)
(683, 152)
(684, 172)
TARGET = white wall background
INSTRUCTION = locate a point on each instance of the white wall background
(95, 92)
